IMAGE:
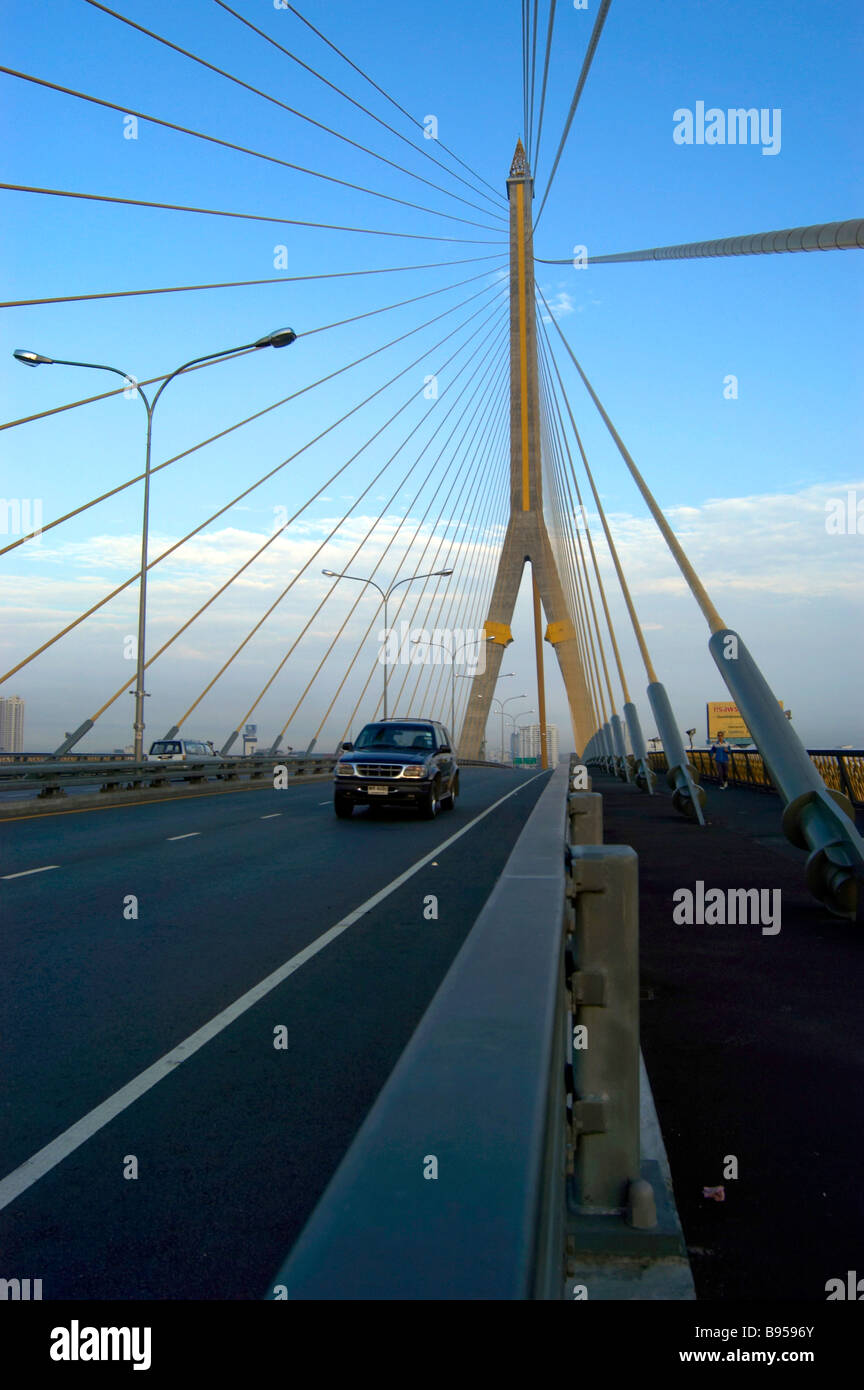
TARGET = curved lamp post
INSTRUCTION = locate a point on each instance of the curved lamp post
(478, 642)
(385, 595)
(502, 703)
(282, 337)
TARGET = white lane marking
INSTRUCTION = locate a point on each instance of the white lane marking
(40, 1163)
(325, 803)
(273, 815)
(25, 872)
(190, 835)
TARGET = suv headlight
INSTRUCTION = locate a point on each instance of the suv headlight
(344, 769)
(414, 770)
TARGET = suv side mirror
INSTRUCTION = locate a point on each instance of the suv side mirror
(347, 747)
(445, 748)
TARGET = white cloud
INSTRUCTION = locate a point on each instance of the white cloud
(561, 305)
(771, 543)
(766, 559)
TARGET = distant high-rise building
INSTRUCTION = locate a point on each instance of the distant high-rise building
(529, 743)
(12, 725)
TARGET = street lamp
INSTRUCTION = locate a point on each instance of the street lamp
(422, 641)
(280, 338)
(433, 574)
(502, 703)
(690, 733)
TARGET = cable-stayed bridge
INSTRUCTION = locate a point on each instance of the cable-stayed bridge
(216, 915)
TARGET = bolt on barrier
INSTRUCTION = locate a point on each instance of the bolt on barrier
(585, 818)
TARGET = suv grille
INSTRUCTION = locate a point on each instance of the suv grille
(379, 769)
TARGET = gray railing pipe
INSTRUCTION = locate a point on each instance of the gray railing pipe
(687, 796)
(609, 747)
(620, 749)
(643, 773)
(815, 817)
(71, 739)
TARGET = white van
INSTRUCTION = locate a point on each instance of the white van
(182, 750)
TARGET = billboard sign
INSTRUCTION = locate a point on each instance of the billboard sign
(725, 718)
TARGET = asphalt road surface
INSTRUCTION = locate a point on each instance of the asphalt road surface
(131, 1039)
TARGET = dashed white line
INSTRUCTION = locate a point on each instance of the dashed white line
(190, 834)
(24, 872)
(40, 1163)
(324, 803)
(272, 816)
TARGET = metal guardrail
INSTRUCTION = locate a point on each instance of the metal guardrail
(64, 758)
(840, 769)
(27, 771)
(501, 1150)
(53, 777)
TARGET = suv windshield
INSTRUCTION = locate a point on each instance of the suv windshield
(164, 746)
(413, 737)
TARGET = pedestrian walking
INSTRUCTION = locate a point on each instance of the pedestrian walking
(720, 754)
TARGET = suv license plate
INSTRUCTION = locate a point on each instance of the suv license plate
(377, 791)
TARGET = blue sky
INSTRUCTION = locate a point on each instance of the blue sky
(657, 340)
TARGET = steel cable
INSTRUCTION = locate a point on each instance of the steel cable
(243, 216)
(417, 149)
(272, 472)
(242, 284)
(315, 554)
(586, 67)
(392, 101)
(298, 704)
(258, 92)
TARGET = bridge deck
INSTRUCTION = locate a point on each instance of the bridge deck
(755, 1048)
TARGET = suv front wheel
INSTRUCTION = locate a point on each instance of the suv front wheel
(430, 805)
(343, 806)
(450, 799)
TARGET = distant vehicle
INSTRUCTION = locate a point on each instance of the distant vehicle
(181, 750)
(397, 762)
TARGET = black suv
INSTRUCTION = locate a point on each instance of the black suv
(397, 762)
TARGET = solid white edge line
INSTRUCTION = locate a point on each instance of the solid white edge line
(40, 1163)
(24, 872)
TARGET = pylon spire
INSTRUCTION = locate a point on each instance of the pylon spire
(526, 537)
(519, 168)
